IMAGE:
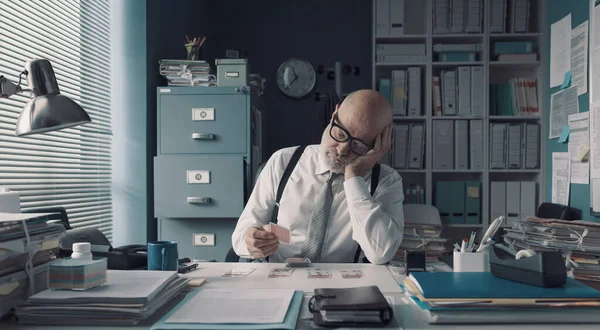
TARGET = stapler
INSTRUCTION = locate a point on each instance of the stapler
(415, 261)
(543, 269)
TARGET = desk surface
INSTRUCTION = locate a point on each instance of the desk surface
(407, 316)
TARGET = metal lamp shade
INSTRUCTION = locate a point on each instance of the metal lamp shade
(48, 110)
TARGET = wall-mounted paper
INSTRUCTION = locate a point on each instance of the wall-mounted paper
(560, 50)
(579, 140)
(562, 104)
(579, 61)
(561, 177)
(595, 140)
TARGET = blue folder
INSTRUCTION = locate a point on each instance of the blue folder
(484, 285)
(289, 322)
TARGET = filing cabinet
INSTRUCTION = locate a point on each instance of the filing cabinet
(207, 144)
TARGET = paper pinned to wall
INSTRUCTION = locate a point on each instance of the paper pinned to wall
(560, 50)
(579, 60)
(562, 104)
(579, 140)
(561, 177)
(594, 141)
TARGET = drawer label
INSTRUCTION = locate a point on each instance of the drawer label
(195, 177)
(232, 74)
(203, 114)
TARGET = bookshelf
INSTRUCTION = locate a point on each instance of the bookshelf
(419, 29)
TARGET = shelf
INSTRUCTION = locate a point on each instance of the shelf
(385, 65)
(457, 171)
(454, 117)
(463, 225)
(453, 64)
(408, 170)
(403, 37)
(514, 35)
(516, 65)
(407, 118)
(514, 118)
(457, 35)
(517, 170)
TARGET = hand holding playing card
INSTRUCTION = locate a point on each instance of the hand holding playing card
(261, 243)
(282, 234)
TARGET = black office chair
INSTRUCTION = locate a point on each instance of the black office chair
(558, 211)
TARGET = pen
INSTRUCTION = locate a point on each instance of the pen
(463, 247)
(491, 231)
(457, 247)
(487, 243)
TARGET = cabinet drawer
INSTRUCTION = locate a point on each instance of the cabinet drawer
(198, 186)
(203, 123)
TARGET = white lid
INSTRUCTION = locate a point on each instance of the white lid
(82, 247)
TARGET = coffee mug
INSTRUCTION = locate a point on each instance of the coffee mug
(162, 255)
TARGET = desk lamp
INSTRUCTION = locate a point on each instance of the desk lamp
(48, 110)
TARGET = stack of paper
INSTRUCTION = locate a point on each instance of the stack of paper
(426, 238)
(235, 309)
(127, 298)
(21, 255)
(577, 240)
(482, 298)
(187, 73)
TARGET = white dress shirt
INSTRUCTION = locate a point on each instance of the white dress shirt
(376, 223)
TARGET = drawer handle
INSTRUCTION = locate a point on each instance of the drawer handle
(199, 200)
(203, 136)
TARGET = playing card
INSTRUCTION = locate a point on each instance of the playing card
(239, 272)
(351, 273)
(282, 234)
(281, 272)
(318, 273)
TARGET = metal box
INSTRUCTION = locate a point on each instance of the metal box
(232, 72)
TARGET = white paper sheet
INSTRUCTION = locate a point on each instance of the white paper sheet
(579, 61)
(561, 177)
(579, 139)
(562, 104)
(560, 50)
(595, 140)
(235, 306)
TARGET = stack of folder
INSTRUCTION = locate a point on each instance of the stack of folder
(187, 73)
(408, 148)
(20, 254)
(518, 97)
(457, 16)
(426, 238)
(482, 298)
(459, 92)
(128, 298)
(577, 240)
(459, 202)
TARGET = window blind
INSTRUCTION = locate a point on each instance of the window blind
(71, 167)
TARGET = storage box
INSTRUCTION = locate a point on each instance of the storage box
(232, 72)
(76, 274)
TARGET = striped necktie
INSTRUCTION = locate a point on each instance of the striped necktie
(317, 227)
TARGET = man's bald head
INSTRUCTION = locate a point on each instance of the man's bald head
(367, 109)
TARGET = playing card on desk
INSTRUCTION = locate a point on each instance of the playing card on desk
(351, 273)
(281, 272)
(239, 272)
(282, 234)
(318, 273)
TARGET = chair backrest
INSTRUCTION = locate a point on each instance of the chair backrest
(558, 211)
(421, 214)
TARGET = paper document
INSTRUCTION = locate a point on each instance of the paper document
(595, 140)
(10, 217)
(562, 104)
(579, 141)
(579, 61)
(561, 177)
(235, 306)
(560, 50)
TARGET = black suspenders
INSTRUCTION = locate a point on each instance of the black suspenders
(288, 172)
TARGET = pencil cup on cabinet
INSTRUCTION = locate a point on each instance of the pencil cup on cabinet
(471, 261)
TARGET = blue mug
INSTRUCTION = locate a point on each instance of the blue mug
(162, 255)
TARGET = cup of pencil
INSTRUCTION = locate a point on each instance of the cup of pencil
(192, 48)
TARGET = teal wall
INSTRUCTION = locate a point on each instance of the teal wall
(128, 101)
(555, 10)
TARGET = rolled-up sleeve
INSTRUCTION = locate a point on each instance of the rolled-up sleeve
(377, 221)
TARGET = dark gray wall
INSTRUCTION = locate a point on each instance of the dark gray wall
(268, 32)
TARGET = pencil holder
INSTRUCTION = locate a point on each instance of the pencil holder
(471, 261)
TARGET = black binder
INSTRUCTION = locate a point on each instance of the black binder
(359, 306)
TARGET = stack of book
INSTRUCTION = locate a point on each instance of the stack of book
(426, 238)
(187, 73)
(518, 97)
(579, 241)
(24, 256)
(482, 298)
(128, 298)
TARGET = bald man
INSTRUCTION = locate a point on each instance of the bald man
(327, 203)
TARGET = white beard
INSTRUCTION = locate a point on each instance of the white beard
(332, 165)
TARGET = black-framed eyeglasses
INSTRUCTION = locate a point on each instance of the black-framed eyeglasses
(340, 134)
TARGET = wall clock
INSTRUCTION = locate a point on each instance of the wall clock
(296, 78)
